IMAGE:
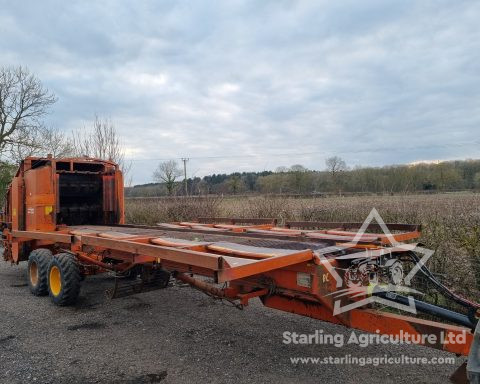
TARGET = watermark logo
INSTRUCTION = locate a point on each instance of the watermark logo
(362, 277)
(363, 340)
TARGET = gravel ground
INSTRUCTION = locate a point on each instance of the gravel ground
(175, 335)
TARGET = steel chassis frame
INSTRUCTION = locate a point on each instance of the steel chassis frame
(274, 279)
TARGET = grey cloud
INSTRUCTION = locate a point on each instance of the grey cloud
(376, 82)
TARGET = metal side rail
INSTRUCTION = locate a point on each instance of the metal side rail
(236, 262)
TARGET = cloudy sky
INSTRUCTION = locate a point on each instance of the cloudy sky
(252, 85)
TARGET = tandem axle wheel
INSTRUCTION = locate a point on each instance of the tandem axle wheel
(58, 276)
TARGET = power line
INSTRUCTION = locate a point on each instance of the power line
(371, 150)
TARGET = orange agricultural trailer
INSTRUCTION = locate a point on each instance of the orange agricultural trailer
(65, 217)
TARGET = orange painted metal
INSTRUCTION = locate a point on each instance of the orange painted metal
(40, 211)
(242, 228)
(236, 268)
(379, 322)
(178, 243)
(237, 220)
(246, 275)
(334, 232)
(185, 256)
(207, 287)
(53, 237)
(399, 237)
(246, 251)
(40, 199)
(245, 297)
(366, 238)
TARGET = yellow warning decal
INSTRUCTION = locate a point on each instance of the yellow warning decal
(14, 212)
(48, 209)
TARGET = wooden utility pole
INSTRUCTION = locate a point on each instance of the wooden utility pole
(184, 159)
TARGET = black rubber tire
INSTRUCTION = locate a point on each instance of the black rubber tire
(163, 277)
(40, 258)
(133, 273)
(70, 279)
(159, 277)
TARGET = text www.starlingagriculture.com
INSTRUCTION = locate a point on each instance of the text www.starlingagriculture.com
(373, 361)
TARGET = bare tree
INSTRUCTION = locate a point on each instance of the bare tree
(281, 169)
(167, 172)
(40, 142)
(23, 101)
(56, 142)
(102, 142)
(335, 166)
(298, 168)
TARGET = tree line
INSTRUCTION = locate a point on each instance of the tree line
(24, 102)
(336, 178)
